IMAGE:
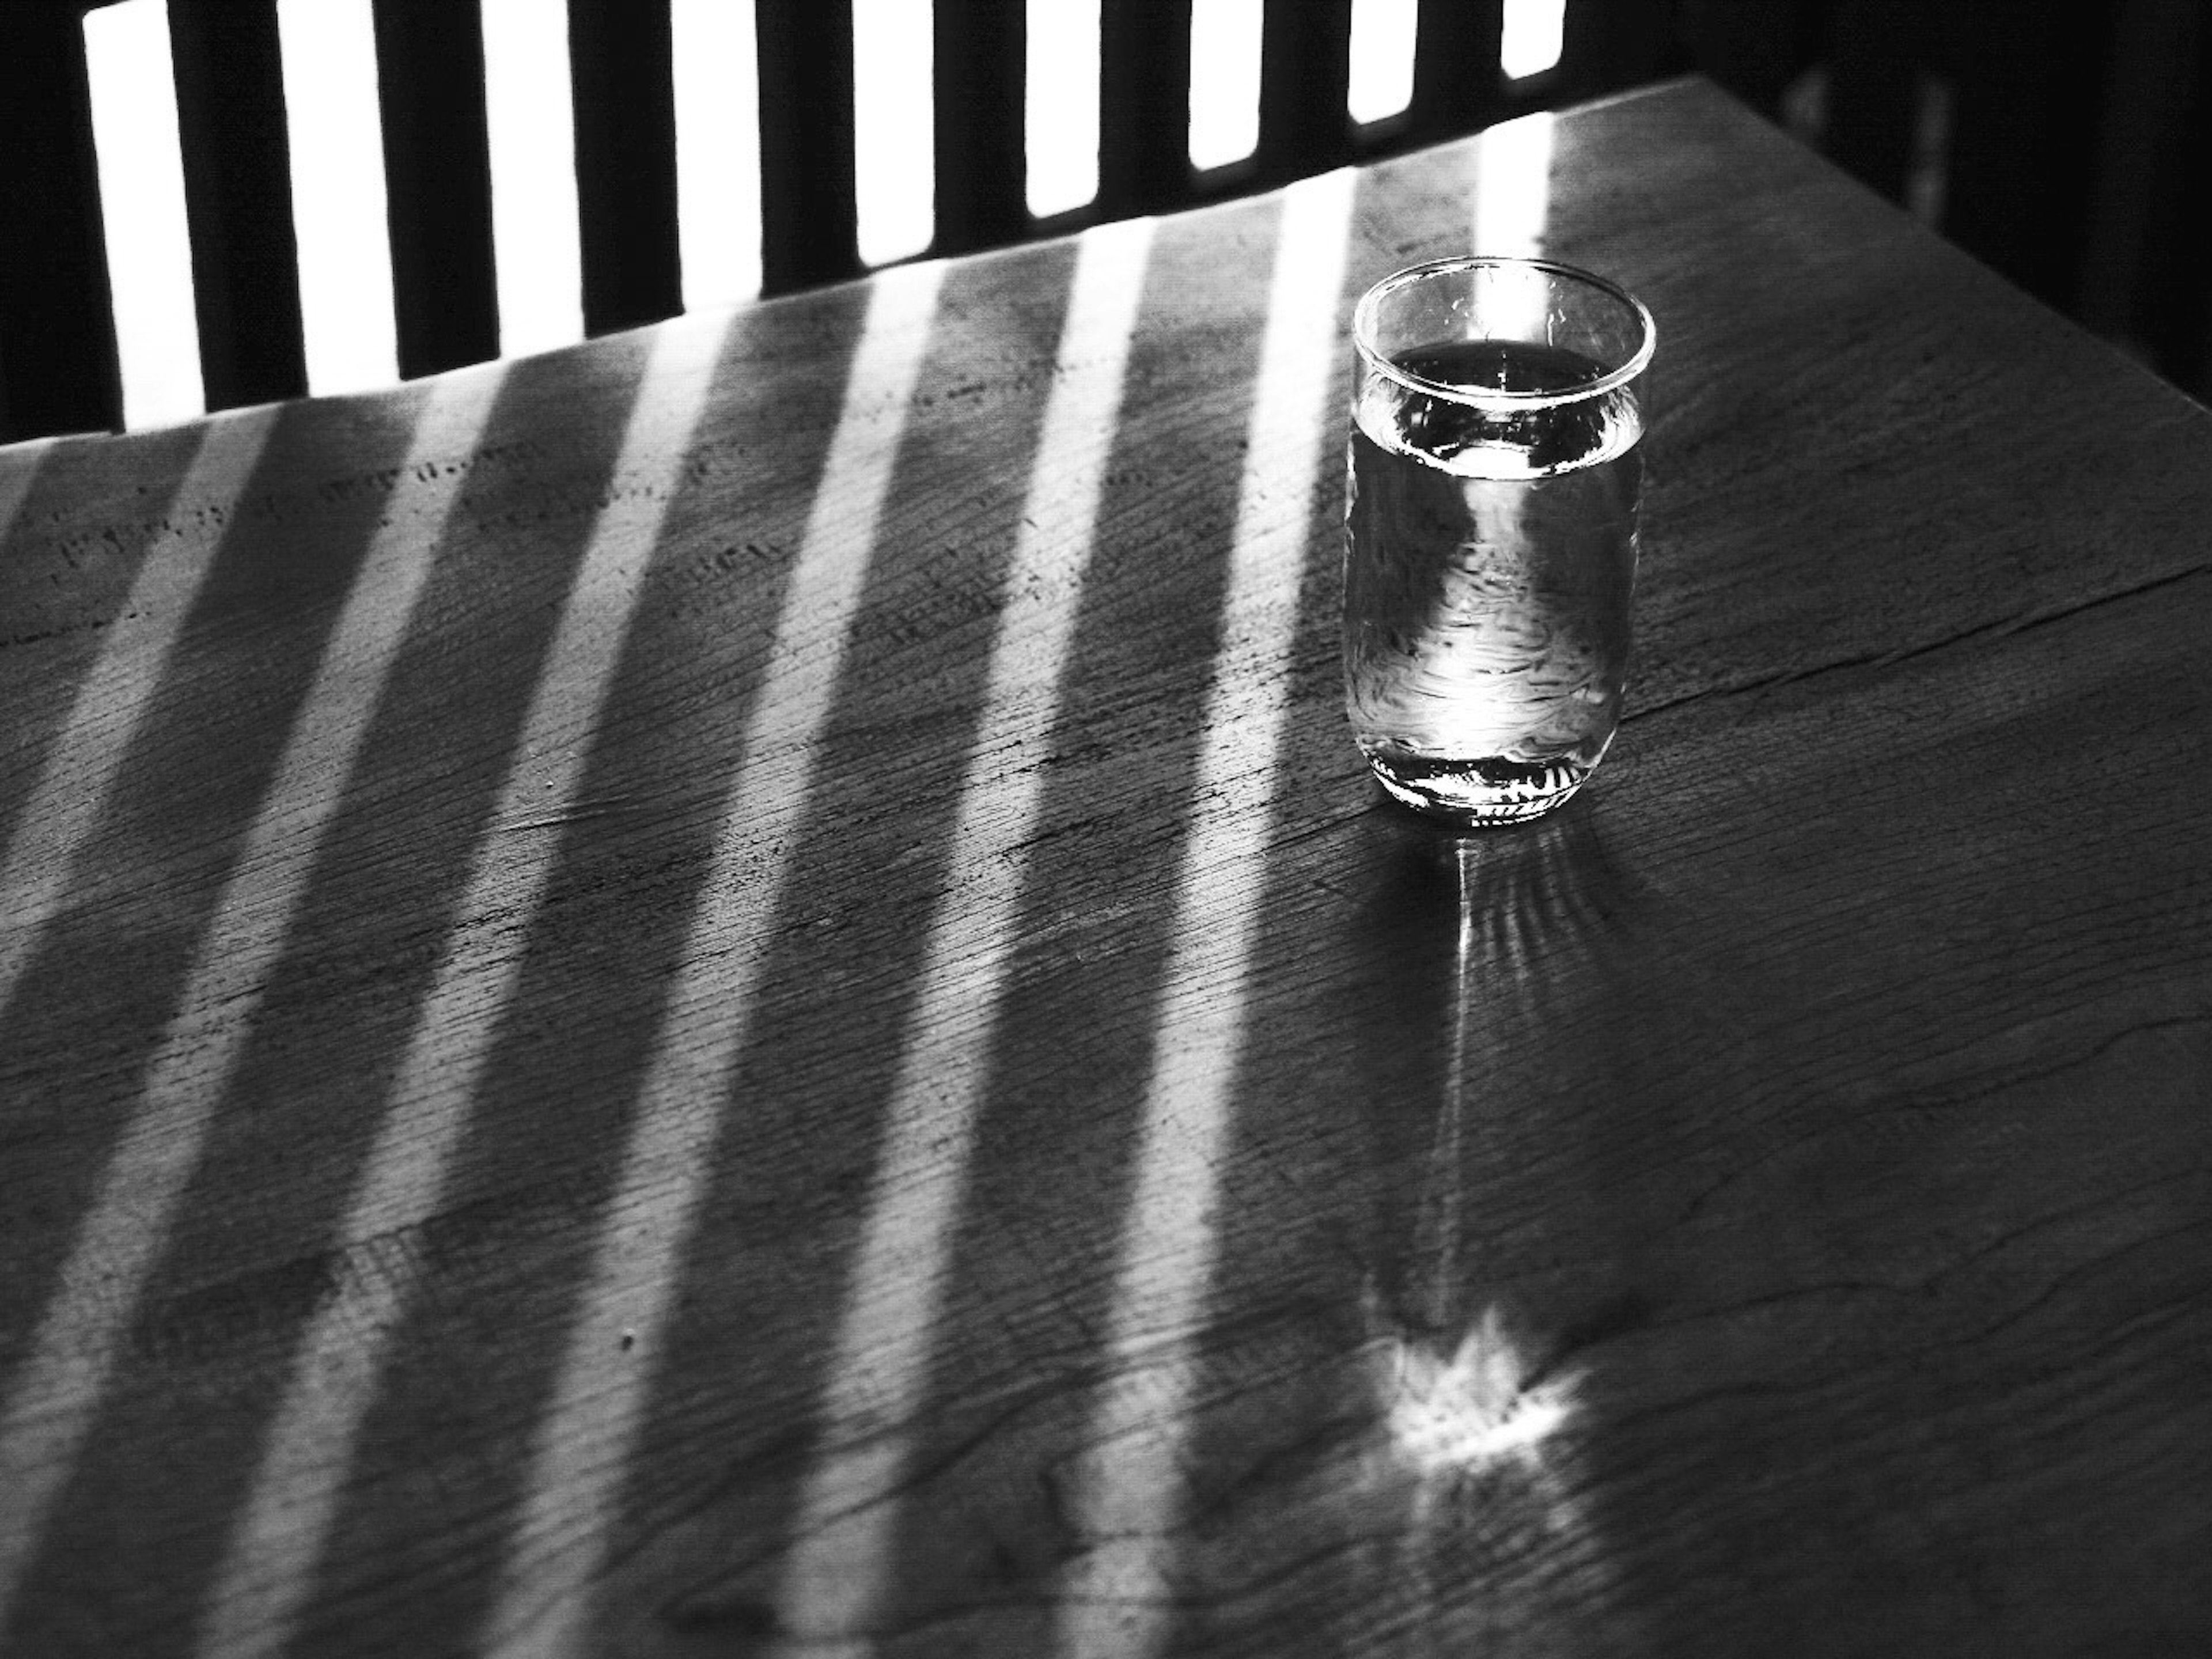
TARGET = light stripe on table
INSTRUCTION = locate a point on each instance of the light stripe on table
(270, 1562)
(582, 1447)
(119, 1244)
(79, 770)
(835, 1574)
(1127, 1498)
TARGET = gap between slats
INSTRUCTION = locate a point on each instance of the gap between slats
(340, 190)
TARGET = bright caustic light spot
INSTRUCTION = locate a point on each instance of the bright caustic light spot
(1381, 84)
(1224, 82)
(1531, 37)
(1471, 1409)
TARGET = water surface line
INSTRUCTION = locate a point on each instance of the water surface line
(1116, 1596)
(269, 1560)
(582, 1450)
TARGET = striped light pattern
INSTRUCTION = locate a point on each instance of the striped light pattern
(1127, 1501)
(278, 1542)
(839, 1562)
(583, 1444)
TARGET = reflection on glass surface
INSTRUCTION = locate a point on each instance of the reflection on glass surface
(49, 1403)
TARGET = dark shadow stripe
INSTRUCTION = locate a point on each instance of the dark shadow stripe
(64, 575)
(1032, 1262)
(175, 1444)
(460, 1389)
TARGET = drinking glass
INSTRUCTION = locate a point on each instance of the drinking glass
(1491, 530)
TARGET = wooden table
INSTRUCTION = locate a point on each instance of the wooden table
(734, 992)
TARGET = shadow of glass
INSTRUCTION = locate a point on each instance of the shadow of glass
(489, 1165)
(759, 1239)
(1390, 1449)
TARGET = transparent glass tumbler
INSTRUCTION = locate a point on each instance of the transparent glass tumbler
(1491, 530)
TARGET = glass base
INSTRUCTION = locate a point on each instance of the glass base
(1475, 791)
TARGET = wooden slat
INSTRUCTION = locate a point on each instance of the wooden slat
(1144, 106)
(806, 57)
(1456, 80)
(978, 116)
(2023, 136)
(238, 196)
(58, 370)
(1875, 51)
(1610, 45)
(437, 181)
(625, 106)
(1752, 48)
(1305, 63)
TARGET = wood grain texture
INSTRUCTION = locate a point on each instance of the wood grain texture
(1761, 1209)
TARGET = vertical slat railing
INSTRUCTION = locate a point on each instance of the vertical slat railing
(1144, 106)
(805, 52)
(437, 183)
(977, 119)
(1755, 48)
(1456, 89)
(1609, 45)
(58, 365)
(237, 199)
(625, 125)
(1305, 60)
(1875, 51)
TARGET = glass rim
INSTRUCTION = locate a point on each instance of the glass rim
(1363, 328)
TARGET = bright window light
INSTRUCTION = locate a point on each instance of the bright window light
(718, 206)
(1512, 185)
(530, 126)
(1382, 79)
(894, 162)
(1062, 105)
(142, 209)
(1224, 82)
(328, 49)
(1531, 38)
